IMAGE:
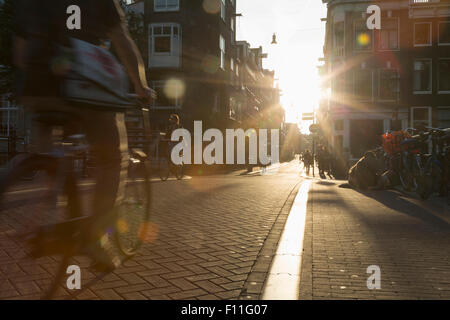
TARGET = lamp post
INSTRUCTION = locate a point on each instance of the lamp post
(274, 39)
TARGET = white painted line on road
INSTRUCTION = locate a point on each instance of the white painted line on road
(283, 282)
(269, 168)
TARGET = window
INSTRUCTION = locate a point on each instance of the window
(422, 76)
(420, 116)
(444, 33)
(422, 34)
(444, 75)
(396, 125)
(162, 39)
(444, 117)
(222, 53)
(339, 143)
(388, 86)
(339, 125)
(363, 84)
(233, 34)
(389, 39)
(163, 101)
(165, 45)
(167, 5)
(363, 36)
(223, 10)
(338, 39)
(216, 106)
(338, 83)
(235, 109)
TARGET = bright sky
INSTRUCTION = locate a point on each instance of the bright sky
(300, 37)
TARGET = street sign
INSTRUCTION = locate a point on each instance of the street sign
(308, 116)
(314, 128)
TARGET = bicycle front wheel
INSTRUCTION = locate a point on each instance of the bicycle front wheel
(134, 212)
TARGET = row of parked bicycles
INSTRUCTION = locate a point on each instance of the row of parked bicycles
(420, 158)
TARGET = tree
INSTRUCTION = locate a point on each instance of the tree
(6, 34)
(135, 23)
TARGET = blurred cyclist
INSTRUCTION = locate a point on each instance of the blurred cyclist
(39, 25)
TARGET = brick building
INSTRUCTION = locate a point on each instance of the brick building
(199, 69)
(377, 80)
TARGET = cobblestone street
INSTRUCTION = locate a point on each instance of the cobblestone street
(207, 234)
(347, 231)
(215, 237)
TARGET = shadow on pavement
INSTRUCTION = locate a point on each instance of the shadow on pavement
(326, 183)
(395, 201)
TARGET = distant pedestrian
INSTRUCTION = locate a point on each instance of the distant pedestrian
(323, 158)
(174, 124)
(307, 160)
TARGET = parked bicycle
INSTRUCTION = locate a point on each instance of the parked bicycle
(420, 171)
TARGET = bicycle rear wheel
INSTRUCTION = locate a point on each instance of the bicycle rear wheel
(406, 179)
(33, 261)
(422, 182)
(134, 212)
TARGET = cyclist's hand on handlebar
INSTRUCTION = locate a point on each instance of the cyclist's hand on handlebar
(146, 94)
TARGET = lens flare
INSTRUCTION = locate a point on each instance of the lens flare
(174, 88)
(122, 226)
(364, 39)
(211, 6)
(148, 232)
(251, 132)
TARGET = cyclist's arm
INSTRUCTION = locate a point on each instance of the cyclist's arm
(129, 55)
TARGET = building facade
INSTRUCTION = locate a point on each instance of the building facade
(200, 71)
(384, 79)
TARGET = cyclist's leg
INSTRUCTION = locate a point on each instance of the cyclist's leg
(107, 136)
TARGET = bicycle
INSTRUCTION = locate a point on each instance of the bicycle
(42, 240)
(444, 142)
(434, 164)
(421, 171)
(166, 165)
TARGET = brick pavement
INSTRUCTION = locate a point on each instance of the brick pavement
(208, 235)
(348, 231)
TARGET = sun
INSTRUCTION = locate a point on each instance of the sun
(298, 77)
(301, 92)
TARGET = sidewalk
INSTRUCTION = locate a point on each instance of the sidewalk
(347, 231)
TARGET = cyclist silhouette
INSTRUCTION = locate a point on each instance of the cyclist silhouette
(41, 24)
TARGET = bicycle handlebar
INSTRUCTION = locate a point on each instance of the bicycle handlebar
(134, 98)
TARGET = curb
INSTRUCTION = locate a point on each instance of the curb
(254, 284)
